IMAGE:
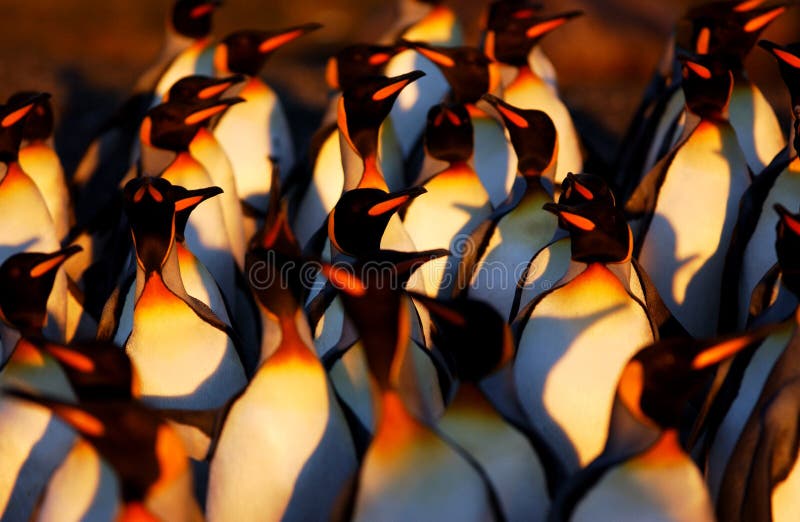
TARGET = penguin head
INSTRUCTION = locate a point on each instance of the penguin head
(657, 383)
(151, 215)
(471, 334)
(192, 18)
(577, 189)
(729, 30)
(185, 202)
(707, 85)
(246, 52)
(513, 34)
(26, 280)
(356, 62)
(274, 265)
(448, 133)
(501, 11)
(96, 369)
(172, 125)
(13, 118)
(39, 121)
(533, 136)
(788, 58)
(143, 449)
(598, 232)
(469, 72)
(787, 246)
(357, 222)
(197, 88)
(363, 107)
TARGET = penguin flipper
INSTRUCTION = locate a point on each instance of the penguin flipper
(776, 452)
(109, 319)
(471, 255)
(750, 210)
(666, 324)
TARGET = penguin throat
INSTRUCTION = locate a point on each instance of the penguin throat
(524, 80)
(372, 177)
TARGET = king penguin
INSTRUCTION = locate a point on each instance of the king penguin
(500, 248)
(33, 443)
(184, 355)
(455, 202)
(510, 41)
(701, 180)
(286, 434)
(582, 330)
(258, 129)
(653, 478)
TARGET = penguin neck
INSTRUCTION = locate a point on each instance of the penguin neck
(395, 425)
(295, 338)
(253, 89)
(11, 173)
(154, 160)
(666, 450)
(170, 274)
(475, 112)
(372, 177)
(204, 139)
(524, 79)
(536, 186)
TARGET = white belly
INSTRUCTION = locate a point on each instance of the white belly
(756, 125)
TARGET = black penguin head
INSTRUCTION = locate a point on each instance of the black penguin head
(577, 189)
(473, 336)
(469, 72)
(192, 18)
(246, 52)
(533, 136)
(728, 30)
(448, 134)
(140, 446)
(13, 118)
(359, 219)
(26, 280)
(356, 62)
(659, 380)
(96, 369)
(707, 85)
(151, 215)
(598, 232)
(787, 246)
(197, 88)
(363, 107)
(512, 35)
(172, 125)
(788, 58)
(39, 120)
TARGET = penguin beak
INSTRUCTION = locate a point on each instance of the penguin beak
(216, 88)
(437, 56)
(396, 84)
(54, 260)
(543, 27)
(781, 53)
(208, 110)
(343, 280)
(192, 198)
(510, 116)
(720, 351)
(395, 201)
(281, 38)
(205, 8)
(22, 110)
(763, 17)
(570, 216)
(747, 5)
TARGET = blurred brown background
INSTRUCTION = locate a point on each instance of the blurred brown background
(89, 52)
